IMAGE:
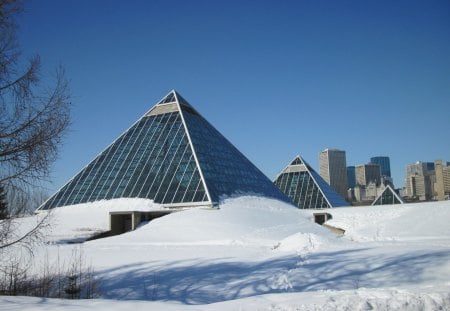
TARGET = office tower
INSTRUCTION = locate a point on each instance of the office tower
(384, 163)
(333, 169)
(442, 183)
(420, 178)
(301, 183)
(351, 177)
(172, 156)
(439, 184)
(366, 173)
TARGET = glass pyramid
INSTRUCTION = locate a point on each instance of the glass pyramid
(171, 155)
(388, 196)
(306, 188)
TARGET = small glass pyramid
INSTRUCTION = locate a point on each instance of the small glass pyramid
(388, 196)
(306, 188)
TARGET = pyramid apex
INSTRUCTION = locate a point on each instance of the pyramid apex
(297, 160)
(173, 97)
(168, 99)
(174, 92)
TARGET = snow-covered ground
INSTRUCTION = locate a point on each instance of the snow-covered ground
(257, 254)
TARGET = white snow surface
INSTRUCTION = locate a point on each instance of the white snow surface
(256, 253)
(77, 222)
(394, 222)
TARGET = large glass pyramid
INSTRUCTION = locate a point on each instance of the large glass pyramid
(306, 188)
(388, 196)
(171, 155)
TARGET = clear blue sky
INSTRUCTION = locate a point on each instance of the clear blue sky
(277, 78)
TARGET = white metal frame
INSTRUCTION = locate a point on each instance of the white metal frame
(393, 192)
(193, 151)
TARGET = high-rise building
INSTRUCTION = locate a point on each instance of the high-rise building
(429, 166)
(300, 182)
(442, 183)
(172, 156)
(384, 163)
(446, 173)
(368, 173)
(420, 178)
(333, 169)
(439, 184)
(351, 177)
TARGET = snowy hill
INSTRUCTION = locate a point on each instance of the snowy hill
(256, 253)
(395, 222)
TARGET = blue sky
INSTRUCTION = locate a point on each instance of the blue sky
(277, 78)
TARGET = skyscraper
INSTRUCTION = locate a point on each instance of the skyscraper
(442, 182)
(366, 173)
(420, 180)
(172, 156)
(384, 163)
(333, 169)
(439, 186)
(351, 177)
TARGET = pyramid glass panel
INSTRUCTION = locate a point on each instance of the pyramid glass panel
(171, 155)
(296, 161)
(306, 188)
(225, 169)
(170, 98)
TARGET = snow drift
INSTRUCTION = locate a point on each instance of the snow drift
(258, 253)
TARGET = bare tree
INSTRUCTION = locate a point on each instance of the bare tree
(34, 117)
(3, 204)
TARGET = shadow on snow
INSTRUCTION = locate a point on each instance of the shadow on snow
(203, 282)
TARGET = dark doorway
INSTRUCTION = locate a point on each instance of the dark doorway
(121, 222)
(321, 218)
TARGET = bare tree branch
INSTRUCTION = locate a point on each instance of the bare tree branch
(34, 117)
(30, 235)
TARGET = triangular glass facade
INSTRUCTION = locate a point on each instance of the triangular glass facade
(306, 188)
(171, 155)
(388, 196)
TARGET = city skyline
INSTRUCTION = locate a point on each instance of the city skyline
(277, 79)
(428, 180)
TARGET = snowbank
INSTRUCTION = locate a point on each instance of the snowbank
(77, 222)
(418, 221)
(243, 220)
(258, 253)
(363, 299)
